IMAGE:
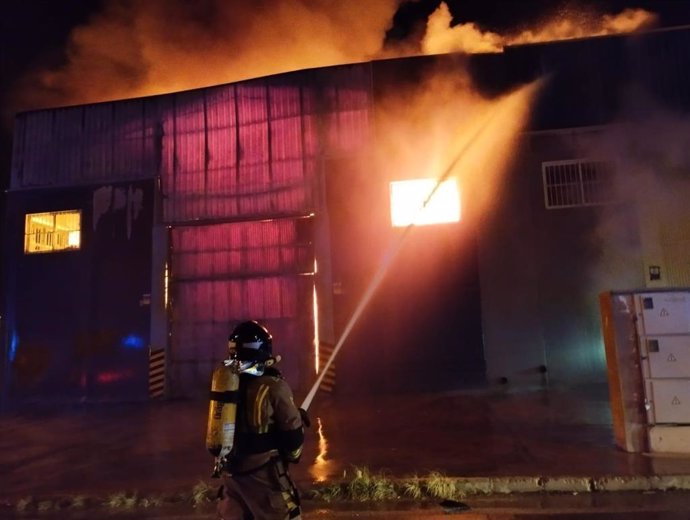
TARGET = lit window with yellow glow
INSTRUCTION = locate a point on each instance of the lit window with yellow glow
(409, 203)
(54, 231)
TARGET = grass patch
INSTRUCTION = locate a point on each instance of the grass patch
(439, 486)
(24, 504)
(412, 488)
(79, 502)
(152, 501)
(327, 493)
(45, 505)
(202, 493)
(366, 486)
(358, 484)
(122, 500)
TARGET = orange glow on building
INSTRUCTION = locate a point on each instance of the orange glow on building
(319, 469)
(443, 37)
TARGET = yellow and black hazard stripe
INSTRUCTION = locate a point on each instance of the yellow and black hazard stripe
(325, 353)
(156, 373)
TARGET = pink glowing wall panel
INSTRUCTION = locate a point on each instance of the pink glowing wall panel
(241, 168)
(226, 273)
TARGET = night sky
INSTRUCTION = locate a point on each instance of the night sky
(33, 33)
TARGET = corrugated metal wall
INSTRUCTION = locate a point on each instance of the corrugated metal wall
(226, 273)
(247, 157)
(250, 155)
(87, 144)
(253, 148)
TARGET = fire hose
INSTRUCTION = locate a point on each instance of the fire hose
(388, 257)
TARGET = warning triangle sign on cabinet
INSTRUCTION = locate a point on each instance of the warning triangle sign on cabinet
(671, 358)
(675, 401)
(664, 313)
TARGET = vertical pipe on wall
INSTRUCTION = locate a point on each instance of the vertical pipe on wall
(322, 246)
(159, 337)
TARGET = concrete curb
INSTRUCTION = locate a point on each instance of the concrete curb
(463, 486)
(571, 484)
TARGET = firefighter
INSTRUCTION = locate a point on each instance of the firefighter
(269, 434)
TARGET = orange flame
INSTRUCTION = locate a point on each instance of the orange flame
(450, 123)
(133, 48)
(441, 37)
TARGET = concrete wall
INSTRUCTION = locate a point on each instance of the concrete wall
(542, 269)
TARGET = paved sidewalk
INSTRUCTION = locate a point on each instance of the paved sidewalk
(518, 441)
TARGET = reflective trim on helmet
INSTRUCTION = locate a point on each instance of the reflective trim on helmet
(254, 345)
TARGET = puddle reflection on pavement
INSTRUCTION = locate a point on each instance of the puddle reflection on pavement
(320, 468)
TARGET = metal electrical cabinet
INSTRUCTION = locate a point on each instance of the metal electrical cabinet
(647, 340)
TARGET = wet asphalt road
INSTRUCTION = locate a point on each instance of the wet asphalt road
(156, 448)
(607, 506)
(160, 447)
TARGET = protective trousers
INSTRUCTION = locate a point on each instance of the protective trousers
(266, 493)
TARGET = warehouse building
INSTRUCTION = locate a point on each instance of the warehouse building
(139, 231)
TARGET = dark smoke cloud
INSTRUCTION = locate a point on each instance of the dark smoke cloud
(134, 48)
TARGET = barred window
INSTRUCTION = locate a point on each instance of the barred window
(54, 231)
(579, 182)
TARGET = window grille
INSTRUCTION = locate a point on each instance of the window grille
(575, 183)
(54, 231)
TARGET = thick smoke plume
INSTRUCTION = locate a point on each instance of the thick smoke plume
(443, 37)
(652, 157)
(135, 48)
(443, 126)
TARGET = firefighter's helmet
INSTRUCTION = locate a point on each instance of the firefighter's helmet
(250, 341)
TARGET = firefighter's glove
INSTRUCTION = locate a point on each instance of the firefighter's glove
(305, 417)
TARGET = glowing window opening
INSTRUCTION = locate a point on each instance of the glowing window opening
(52, 231)
(408, 200)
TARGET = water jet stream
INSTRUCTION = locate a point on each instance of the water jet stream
(390, 255)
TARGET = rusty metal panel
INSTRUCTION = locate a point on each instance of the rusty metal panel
(222, 178)
(240, 151)
(136, 138)
(67, 147)
(348, 100)
(254, 163)
(190, 153)
(310, 120)
(244, 150)
(35, 163)
(97, 142)
(105, 142)
(18, 156)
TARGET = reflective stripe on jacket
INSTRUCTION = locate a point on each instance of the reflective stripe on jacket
(268, 423)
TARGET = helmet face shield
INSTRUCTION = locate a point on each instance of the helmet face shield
(250, 341)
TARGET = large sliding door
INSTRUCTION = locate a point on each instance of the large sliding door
(226, 273)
